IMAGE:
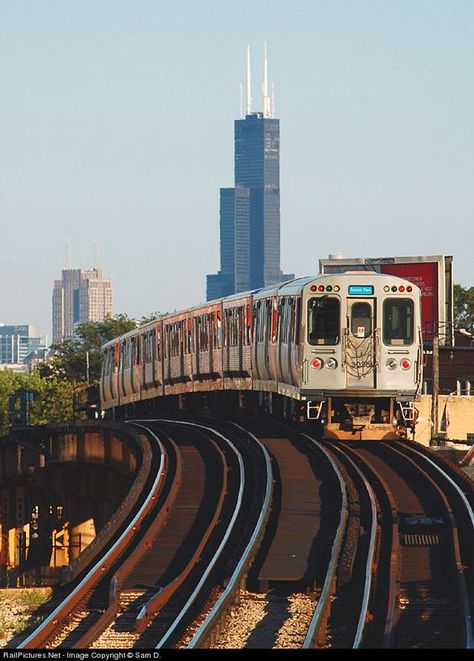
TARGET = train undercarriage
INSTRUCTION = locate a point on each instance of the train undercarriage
(381, 418)
(336, 418)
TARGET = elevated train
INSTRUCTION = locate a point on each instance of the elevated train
(343, 350)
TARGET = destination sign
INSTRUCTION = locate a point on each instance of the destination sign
(361, 290)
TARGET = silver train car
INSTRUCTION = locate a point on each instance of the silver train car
(342, 350)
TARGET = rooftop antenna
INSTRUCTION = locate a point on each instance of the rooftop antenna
(266, 97)
(241, 100)
(249, 83)
(68, 255)
(96, 255)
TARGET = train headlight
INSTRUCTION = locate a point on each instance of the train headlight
(405, 364)
(316, 363)
(391, 363)
(331, 363)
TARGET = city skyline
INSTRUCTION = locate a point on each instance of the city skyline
(249, 213)
(117, 128)
(80, 296)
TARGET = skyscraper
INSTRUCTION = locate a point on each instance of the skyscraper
(17, 341)
(250, 212)
(78, 297)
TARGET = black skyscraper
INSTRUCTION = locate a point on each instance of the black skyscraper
(250, 212)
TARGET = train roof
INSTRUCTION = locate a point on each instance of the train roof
(288, 288)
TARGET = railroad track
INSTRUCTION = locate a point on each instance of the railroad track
(420, 583)
(275, 539)
(151, 492)
(291, 582)
(214, 526)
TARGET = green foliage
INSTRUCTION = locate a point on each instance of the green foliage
(464, 307)
(17, 609)
(10, 382)
(52, 398)
(78, 360)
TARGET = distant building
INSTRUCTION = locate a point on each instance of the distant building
(16, 342)
(250, 212)
(78, 297)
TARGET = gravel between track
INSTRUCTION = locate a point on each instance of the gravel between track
(269, 620)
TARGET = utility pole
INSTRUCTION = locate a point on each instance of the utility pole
(434, 403)
(87, 366)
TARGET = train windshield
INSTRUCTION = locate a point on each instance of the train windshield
(398, 321)
(323, 320)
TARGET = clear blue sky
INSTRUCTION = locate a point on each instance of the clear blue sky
(116, 126)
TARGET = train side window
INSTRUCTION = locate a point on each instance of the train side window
(146, 348)
(324, 315)
(241, 325)
(166, 330)
(281, 319)
(297, 322)
(269, 320)
(398, 321)
(361, 320)
(216, 329)
(248, 324)
(104, 370)
(259, 321)
(204, 332)
(158, 344)
(152, 337)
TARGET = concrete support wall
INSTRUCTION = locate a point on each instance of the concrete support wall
(58, 489)
(455, 418)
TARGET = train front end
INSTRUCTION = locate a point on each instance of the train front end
(362, 355)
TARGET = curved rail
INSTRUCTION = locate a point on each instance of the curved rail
(394, 562)
(38, 637)
(131, 560)
(228, 595)
(425, 487)
(192, 598)
(327, 591)
(370, 554)
(158, 600)
(462, 587)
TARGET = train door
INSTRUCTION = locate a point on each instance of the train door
(360, 344)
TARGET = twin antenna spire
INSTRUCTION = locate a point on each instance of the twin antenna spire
(268, 100)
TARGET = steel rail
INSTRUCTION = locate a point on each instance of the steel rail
(449, 479)
(327, 590)
(158, 522)
(227, 596)
(462, 587)
(394, 568)
(192, 598)
(164, 594)
(371, 551)
(40, 634)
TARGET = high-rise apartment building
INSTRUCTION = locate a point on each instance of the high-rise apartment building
(78, 297)
(250, 212)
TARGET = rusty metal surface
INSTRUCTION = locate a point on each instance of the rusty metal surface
(428, 608)
(291, 555)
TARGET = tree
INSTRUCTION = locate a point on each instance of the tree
(464, 307)
(52, 399)
(78, 359)
(10, 382)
